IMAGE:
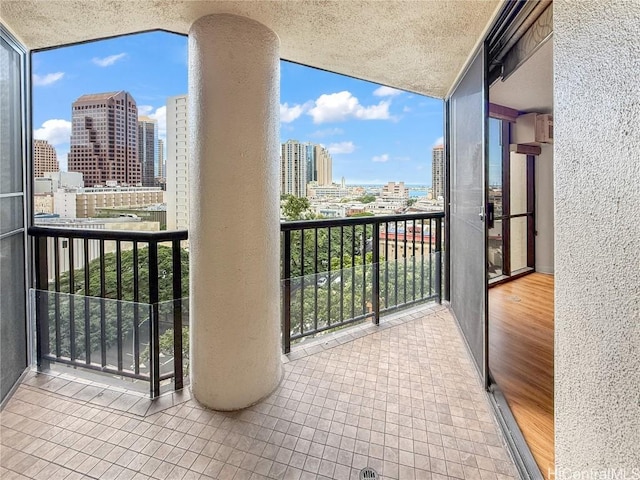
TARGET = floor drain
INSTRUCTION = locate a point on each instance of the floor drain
(368, 473)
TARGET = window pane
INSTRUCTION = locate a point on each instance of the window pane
(495, 165)
(10, 121)
(518, 184)
(495, 252)
(518, 243)
(11, 214)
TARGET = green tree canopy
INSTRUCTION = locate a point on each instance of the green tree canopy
(296, 208)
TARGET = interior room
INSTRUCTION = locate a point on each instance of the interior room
(521, 250)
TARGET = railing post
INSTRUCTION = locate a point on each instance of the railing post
(286, 307)
(438, 253)
(154, 330)
(42, 303)
(177, 315)
(375, 288)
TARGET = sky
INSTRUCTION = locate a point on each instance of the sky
(375, 134)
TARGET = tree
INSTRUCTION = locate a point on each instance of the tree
(296, 208)
(368, 198)
(411, 201)
(81, 308)
(166, 347)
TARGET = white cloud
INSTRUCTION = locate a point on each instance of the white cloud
(56, 131)
(381, 158)
(341, 147)
(327, 132)
(48, 79)
(406, 109)
(108, 61)
(161, 116)
(386, 92)
(145, 110)
(341, 106)
(439, 141)
(289, 113)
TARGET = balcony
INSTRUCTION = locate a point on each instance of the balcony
(376, 374)
(402, 398)
(117, 302)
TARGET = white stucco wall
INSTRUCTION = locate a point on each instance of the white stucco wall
(544, 209)
(597, 213)
(234, 229)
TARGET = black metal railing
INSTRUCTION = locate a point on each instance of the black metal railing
(339, 271)
(99, 292)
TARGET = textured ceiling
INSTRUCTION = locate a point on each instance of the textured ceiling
(419, 46)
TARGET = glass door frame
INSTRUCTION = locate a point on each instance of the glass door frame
(25, 127)
(479, 214)
(506, 217)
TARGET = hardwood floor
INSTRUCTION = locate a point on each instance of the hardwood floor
(521, 358)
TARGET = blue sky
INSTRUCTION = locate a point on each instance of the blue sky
(375, 134)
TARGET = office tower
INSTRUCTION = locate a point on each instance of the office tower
(293, 168)
(147, 149)
(324, 167)
(437, 172)
(104, 139)
(44, 158)
(311, 165)
(177, 171)
(161, 166)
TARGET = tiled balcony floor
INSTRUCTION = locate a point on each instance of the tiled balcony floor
(401, 398)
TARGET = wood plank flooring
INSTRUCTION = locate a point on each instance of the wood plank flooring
(521, 358)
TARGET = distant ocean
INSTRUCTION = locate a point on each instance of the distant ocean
(420, 190)
(415, 191)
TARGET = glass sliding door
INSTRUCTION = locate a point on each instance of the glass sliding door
(468, 262)
(13, 311)
(495, 250)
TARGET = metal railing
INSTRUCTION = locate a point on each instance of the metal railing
(103, 297)
(98, 290)
(339, 271)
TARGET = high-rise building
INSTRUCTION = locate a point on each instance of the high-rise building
(303, 163)
(324, 166)
(147, 149)
(311, 165)
(437, 172)
(177, 172)
(45, 158)
(161, 165)
(104, 139)
(293, 168)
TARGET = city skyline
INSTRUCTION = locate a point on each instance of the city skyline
(374, 133)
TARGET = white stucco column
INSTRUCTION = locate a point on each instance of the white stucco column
(234, 234)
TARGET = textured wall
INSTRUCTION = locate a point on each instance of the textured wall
(597, 193)
(234, 229)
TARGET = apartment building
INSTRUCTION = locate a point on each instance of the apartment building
(45, 158)
(104, 139)
(177, 163)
